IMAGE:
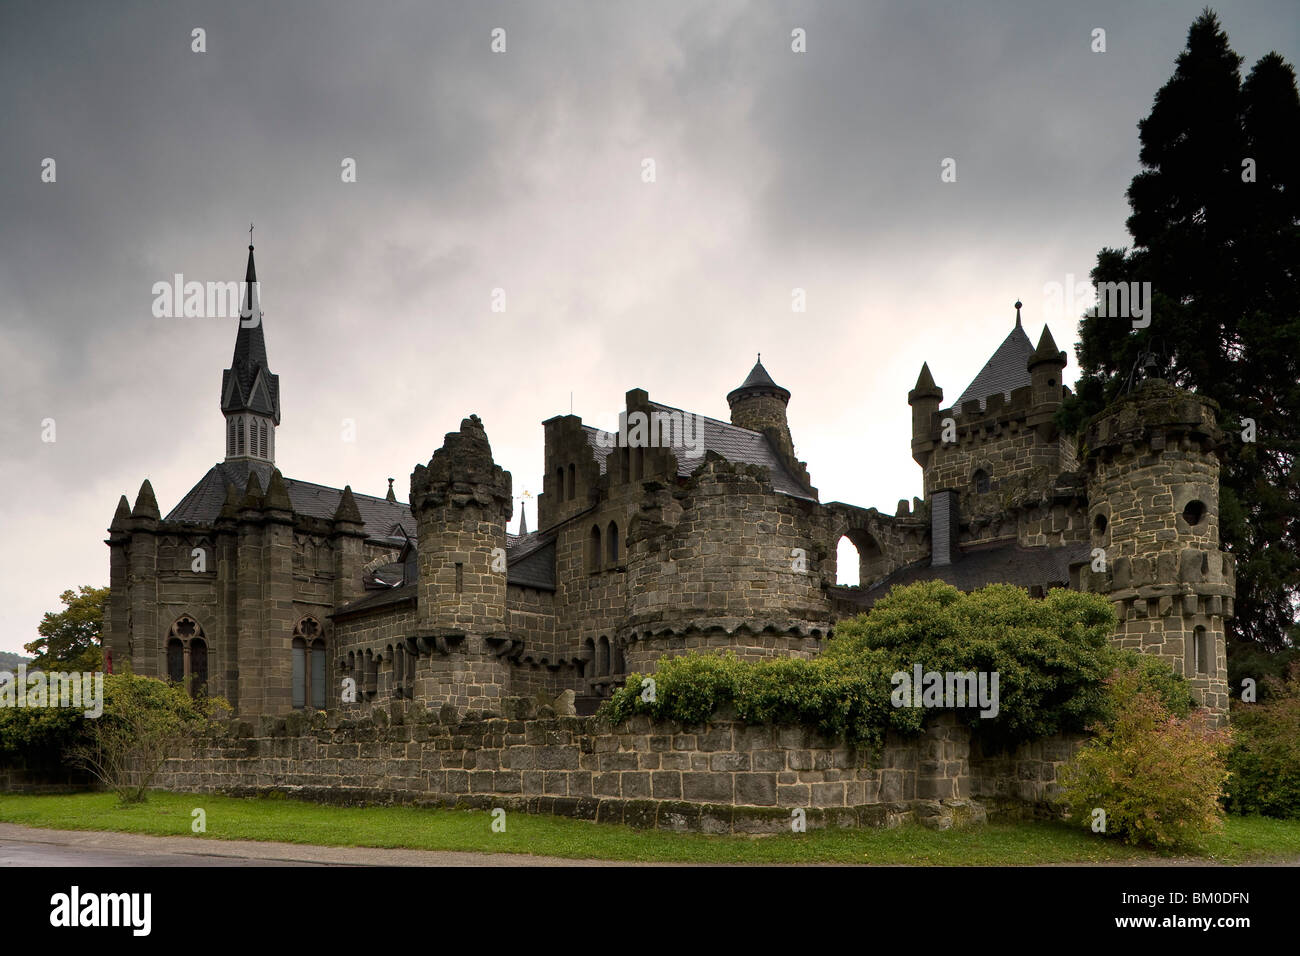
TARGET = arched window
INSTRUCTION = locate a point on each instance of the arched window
(308, 666)
(261, 439)
(616, 664)
(588, 657)
(1201, 651)
(611, 542)
(559, 483)
(187, 654)
(175, 660)
(241, 434)
(573, 482)
(593, 549)
(981, 481)
(230, 437)
(602, 657)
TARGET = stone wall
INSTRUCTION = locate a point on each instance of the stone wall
(722, 776)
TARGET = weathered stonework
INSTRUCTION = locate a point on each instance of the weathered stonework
(309, 597)
(722, 776)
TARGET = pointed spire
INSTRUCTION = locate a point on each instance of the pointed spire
(248, 385)
(277, 495)
(1047, 353)
(231, 507)
(523, 518)
(253, 496)
(758, 382)
(122, 515)
(347, 509)
(925, 387)
(390, 496)
(1018, 313)
(146, 505)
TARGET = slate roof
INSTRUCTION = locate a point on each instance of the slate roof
(530, 560)
(976, 567)
(203, 502)
(1006, 371)
(732, 443)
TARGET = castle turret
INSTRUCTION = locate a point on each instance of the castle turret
(1045, 367)
(1153, 494)
(462, 502)
(924, 399)
(759, 404)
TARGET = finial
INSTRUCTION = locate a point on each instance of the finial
(1017, 312)
(250, 235)
(760, 358)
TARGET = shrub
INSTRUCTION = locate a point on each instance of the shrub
(1265, 758)
(143, 720)
(1052, 657)
(1158, 777)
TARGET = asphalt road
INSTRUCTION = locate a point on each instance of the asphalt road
(27, 846)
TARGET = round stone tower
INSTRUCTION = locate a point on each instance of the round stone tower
(462, 503)
(759, 404)
(1153, 497)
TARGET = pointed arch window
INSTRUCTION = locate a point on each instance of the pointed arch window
(573, 483)
(187, 655)
(593, 549)
(241, 435)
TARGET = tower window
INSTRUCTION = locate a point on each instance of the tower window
(1099, 524)
(241, 436)
(1201, 648)
(593, 550)
(559, 483)
(981, 481)
(573, 475)
(611, 540)
(1194, 513)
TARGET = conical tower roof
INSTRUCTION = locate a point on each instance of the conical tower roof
(1005, 371)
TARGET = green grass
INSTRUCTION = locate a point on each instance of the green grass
(1244, 839)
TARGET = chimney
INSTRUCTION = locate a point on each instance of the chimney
(943, 528)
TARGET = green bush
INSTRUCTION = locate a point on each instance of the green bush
(1157, 777)
(1052, 657)
(1265, 757)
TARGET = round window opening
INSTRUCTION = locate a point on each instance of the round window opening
(1099, 524)
(1194, 513)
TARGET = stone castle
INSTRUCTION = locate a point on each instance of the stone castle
(282, 595)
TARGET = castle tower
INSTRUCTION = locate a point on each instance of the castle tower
(924, 399)
(250, 394)
(462, 502)
(1153, 493)
(759, 404)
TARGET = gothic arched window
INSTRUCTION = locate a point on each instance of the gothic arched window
(611, 539)
(981, 481)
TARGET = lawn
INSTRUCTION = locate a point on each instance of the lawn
(1244, 839)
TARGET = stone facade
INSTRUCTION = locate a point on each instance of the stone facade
(282, 596)
(719, 777)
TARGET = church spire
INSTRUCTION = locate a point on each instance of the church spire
(250, 393)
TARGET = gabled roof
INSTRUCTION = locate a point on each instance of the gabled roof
(203, 502)
(1006, 371)
(732, 443)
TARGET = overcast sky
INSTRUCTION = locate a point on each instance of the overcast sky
(523, 171)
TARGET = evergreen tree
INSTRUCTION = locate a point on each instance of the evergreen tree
(1216, 231)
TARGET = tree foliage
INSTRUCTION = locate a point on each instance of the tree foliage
(1052, 656)
(70, 639)
(1221, 254)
